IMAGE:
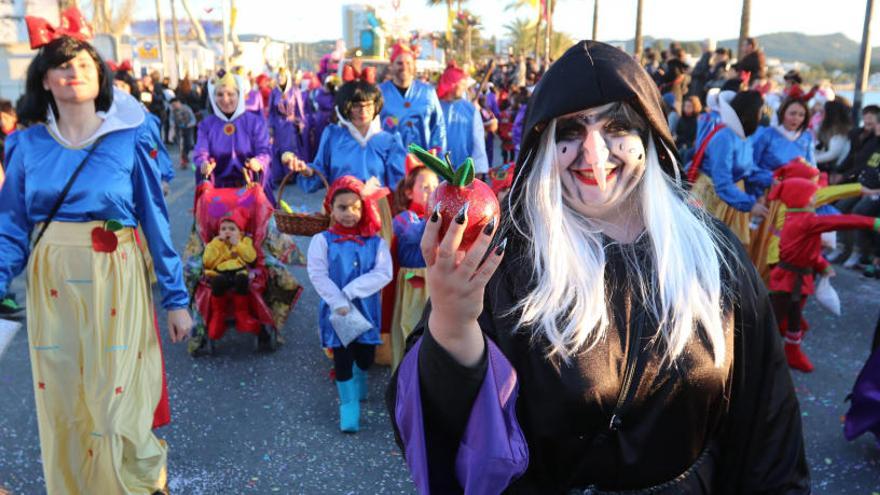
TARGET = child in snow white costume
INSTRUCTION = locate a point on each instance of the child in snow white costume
(800, 256)
(348, 265)
(411, 291)
(616, 340)
(94, 352)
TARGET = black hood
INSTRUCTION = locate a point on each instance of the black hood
(588, 75)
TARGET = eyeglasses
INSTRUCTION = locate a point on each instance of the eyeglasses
(363, 105)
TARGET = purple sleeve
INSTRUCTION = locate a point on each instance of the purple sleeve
(492, 451)
(518, 124)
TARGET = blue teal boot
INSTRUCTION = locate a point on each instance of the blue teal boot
(349, 407)
(360, 378)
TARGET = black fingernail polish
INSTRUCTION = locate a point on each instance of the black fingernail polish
(500, 249)
(489, 227)
(436, 213)
(462, 214)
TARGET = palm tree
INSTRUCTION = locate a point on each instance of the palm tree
(521, 33)
(638, 41)
(595, 19)
(449, 17)
(539, 16)
(197, 26)
(744, 26)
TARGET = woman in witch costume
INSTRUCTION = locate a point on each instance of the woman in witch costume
(96, 362)
(231, 139)
(531, 374)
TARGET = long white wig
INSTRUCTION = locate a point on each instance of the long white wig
(568, 304)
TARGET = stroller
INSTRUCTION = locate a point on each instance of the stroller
(272, 290)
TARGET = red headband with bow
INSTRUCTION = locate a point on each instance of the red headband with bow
(125, 66)
(350, 73)
(72, 24)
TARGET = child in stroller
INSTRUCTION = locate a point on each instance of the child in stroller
(226, 260)
(216, 269)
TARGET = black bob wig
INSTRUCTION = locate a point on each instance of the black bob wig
(37, 99)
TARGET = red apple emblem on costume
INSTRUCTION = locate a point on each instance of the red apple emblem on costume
(460, 187)
(154, 153)
(104, 238)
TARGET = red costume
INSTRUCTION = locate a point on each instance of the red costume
(800, 256)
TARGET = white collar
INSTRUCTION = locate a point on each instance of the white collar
(790, 135)
(240, 109)
(124, 113)
(728, 114)
(375, 128)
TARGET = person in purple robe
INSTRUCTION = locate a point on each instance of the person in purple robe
(615, 340)
(287, 118)
(322, 101)
(231, 139)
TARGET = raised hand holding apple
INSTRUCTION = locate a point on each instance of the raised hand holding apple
(457, 271)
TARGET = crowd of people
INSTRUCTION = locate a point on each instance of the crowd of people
(695, 190)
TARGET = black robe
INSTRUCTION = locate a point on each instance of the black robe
(737, 427)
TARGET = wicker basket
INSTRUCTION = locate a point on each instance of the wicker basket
(304, 224)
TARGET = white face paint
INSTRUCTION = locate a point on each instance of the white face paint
(600, 157)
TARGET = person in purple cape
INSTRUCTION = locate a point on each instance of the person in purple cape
(287, 117)
(322, 101)
(231, 139)
(615, 340)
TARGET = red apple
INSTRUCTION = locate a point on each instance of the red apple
(458, 188)
(104, 238)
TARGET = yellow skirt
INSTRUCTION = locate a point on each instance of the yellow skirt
(737, 221)
(97, 368)
(408, 307)
(384, 350)
(765, 241)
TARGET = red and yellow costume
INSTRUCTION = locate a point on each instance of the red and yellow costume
(800, 256)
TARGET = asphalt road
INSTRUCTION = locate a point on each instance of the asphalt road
(245, 422)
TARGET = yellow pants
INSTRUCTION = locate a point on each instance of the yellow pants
(408, 307)
(737, 221)
(96, 364)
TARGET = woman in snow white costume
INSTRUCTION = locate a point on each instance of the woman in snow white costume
(665, 375)
(95, 356)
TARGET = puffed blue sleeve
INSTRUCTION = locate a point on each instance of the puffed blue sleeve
(152, 215)
(810, 147)
(321, 164)
(437, 123)
(719, 162)
(161, 151)
(481, 161)
(760, 141)
(395, 161)
(15, 225)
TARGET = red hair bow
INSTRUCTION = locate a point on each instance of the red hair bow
(368, 74)
(72, 24)
(125, 66)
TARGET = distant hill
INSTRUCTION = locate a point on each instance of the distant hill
(789, 47)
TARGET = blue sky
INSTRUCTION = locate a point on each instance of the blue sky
(311, 20)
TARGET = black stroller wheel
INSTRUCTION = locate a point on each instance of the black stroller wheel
(267, 340)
